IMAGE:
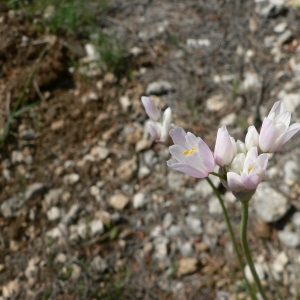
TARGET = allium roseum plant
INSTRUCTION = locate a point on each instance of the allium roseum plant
(242, 166)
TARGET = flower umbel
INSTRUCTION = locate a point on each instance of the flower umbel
(191, 154)
(276, 129)
(159, 125)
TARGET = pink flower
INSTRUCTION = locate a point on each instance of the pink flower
(191, 154)
(225, 148)
(276, 129)
(159, 124)
(246, 173)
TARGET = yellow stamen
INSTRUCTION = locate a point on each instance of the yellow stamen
(189, 152)
(250, 169)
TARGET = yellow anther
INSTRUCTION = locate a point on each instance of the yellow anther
(189, 152)
(250, 169)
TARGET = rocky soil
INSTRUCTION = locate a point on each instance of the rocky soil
(89, 209)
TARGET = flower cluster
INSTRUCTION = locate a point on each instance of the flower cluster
(241, 165)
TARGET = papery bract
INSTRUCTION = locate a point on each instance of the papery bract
(276, 129)
(225, 148)
(191, 154)
(246, 173)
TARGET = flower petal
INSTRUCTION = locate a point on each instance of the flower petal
(178, 136)
(187, 169)
(177, 152)
(293, 129)
(268, 135)
(235, 182)
(250, 182)
(152, 111)
(206, 155)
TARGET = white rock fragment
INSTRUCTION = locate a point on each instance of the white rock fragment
(285, 37)
(72, 214)
(71, 179)
(96, 227)
(291, 101)
(127, 170)
(160, 248)
(198, 43)
(175, 180)
(228, 120)
(118, 201)
(139, 200)
(99, 153)
(168, 220)
(214, 206)
(17, 157)
(290, 172)
(269, 204)
(280, 27)
(174, 231)
(60, 258)
(125, 103)
(82, 230)
(53, 214)
(95, 191)
(11, 289)
(159, 88)
(251, 82)
(185, 249)
(216, 103)
(296, 219)
(194, 224)
(58, 231)
(187, 265)
(99, 264)
(280, 262)
(289, 238)
(259, 270)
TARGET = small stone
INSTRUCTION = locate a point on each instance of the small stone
(175, 180)
(187, 266)
(296, 219)
(228, 120)
(127, 170)
(96, 227)
(259, 270)
(143, 144)
(99, 153)
(103, 216)
(291, 169)
(2, 268)
(99, 264)
(60, 258)
(72, 214)
(16, 157)
(139, 200)
(150, 158)
(110, 78)
(143, 171)
(125, 103)
(168, 220)
(71, 179)
(285, 37)
(160, 248)
(95, 191)
(269, 204)
(14, 245)
(280, 262)
(194, 224)
(280, 27)
(186, 249)
(216, 103)
(214, 206)
(11, 289)
(251, 82)
(198, 43)
(289, 238)
(159, 88)
(57, 125)
(174, 231)
(118, 201)
(53, 214)
(82, 230)
(58, 231)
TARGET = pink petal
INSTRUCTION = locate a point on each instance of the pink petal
(235, 182)
(177, 152)
(151, 109)
(250, 182)
(178, 136)
(206, 155)
(268, 135)
(187, 169)
(293, 129)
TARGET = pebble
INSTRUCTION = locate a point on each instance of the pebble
(290, 172)
(291, 100)
(96, 227)
(53, 214)
(186, 249)
(127, 169)
(125, 103)
(175, 180)
(187, 265)
(168, 220)
(214, 206)
(194, 224)
(71, 179)
(82, 230)
(159, 88)
(285, 37)
(269, 204)
(11, 207)
(60, 258)
(16, 157)
(103, 216)
(216, 103)
(174, 231)
(118, 201)
(251, 82)
(99, 153)
(259, 270)
(150, 158)
(95, 191)
(160, 248)
(193, 43)
(72, 214)
(289, 238)
(57, 125)
(280, 27)
(11, 289)
(143, 171)
(228, 120)
(58, 231)
(139, 200)
(296, 219)
(99, 264)
(280, 262)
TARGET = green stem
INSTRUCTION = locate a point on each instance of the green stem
(245, 246)
(235, 246)
(218, 175)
